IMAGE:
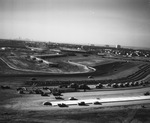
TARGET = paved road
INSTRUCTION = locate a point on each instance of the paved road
(104, 100)
(107, 98)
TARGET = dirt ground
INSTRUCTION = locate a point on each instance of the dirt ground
(121, 114)
(25, 108)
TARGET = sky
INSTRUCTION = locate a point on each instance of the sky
(124, 22)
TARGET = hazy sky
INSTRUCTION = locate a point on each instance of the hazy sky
(125, 22)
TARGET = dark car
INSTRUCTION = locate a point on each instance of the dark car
(84, 86)
(120, 84)
(99, 85)
(5, 87)
(58, 97)
(146, 93)
(126, 84)
(63, 86)
(73, 98)
(114, 85)
(57, 94)
(97, 103)
(47, 103)
(44, 94)
(81, 104)
(73, 85)
(62, 105)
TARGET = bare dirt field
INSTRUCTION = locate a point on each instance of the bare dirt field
(29, 108)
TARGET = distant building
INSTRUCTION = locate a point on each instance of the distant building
(107, 46)
(92, 45)
(118, 46)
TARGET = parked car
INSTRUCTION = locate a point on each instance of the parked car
(21, 92)
(60, 98)
(45, 88)
(126, 84)
(114, 85)
(131, 84)
(84, 86)
(73, 85)
(62, 105)
(146, 93)
(81, 104)
(120, 84)
(73, 98)
(136, 83)
(97, 103)
(108, 85)
(63, 86)
(140, 83)
(47, 103)
(57, 94)
(5, 87)
(38, 91)
(44, 94)
(99, 85)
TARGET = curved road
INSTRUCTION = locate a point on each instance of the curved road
(46, 72)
